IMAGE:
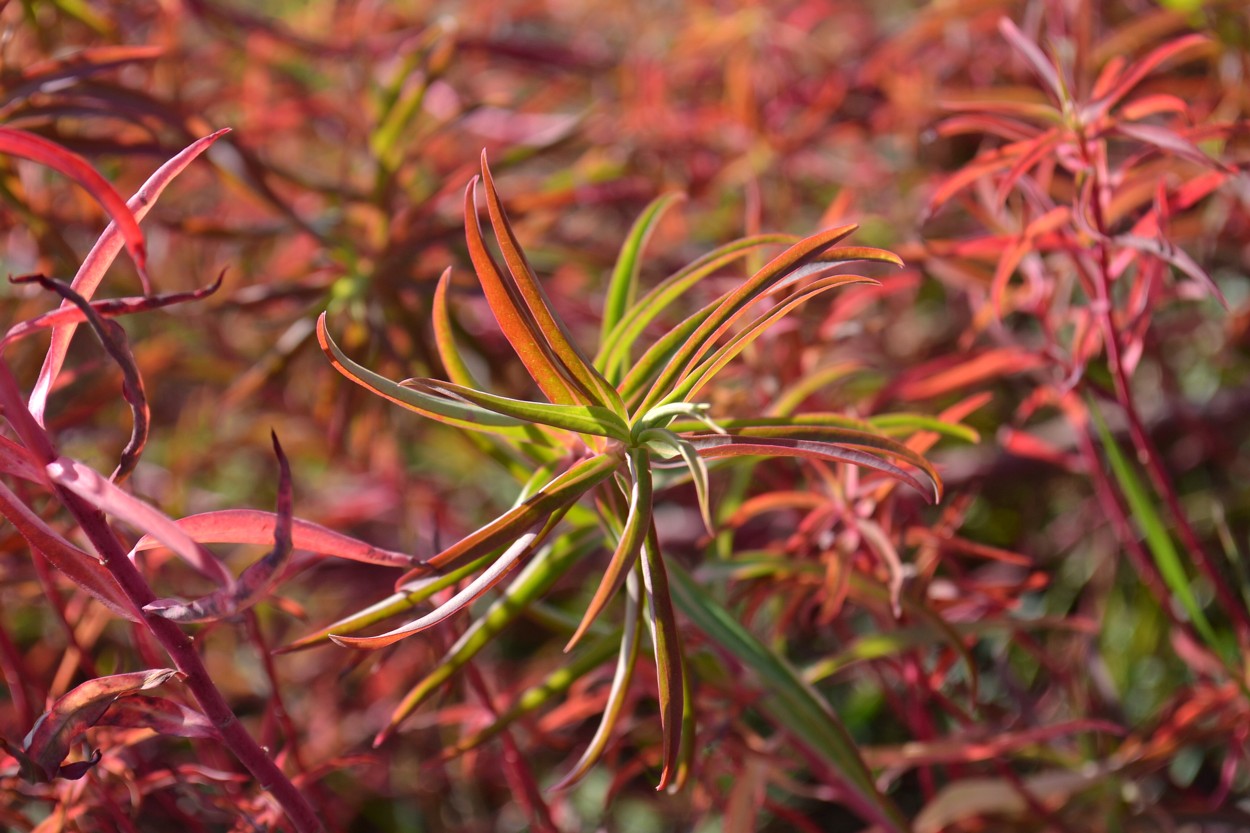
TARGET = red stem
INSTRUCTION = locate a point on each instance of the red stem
(170, 635)
(1146, 450)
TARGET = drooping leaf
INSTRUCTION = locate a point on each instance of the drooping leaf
(670, 662)
(165, 717)
(713, 446)
(637, 523)
(626, 659)
(113, 338)
(49, 740)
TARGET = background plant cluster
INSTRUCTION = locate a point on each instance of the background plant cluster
(1059, 644)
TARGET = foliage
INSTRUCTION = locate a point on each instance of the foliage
(1057, 644)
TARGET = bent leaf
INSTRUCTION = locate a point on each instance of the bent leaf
(582, 419)
(50, 738)
(459, 414)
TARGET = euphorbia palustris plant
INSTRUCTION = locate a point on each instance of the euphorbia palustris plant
(609, 423)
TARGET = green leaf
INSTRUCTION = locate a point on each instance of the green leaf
(789, 702)
(583, 419)
(615, 348)
(626, 659)
(458, 414)
(1167, 559)
(406, 598)
(623, 287)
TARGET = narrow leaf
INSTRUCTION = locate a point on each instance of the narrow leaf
(101, 257)
(637, 522)
(83, 569)
(109, 308)
(459, 414)
(623, 287)
(514, 320)
(700, 341)
(1166, 557)
(559, 494)
(615, 349)
(790, 703)
(254, 526)
(66, 162)
(547, 326)
(713, 446)
(582, 419)
(623, 676)
(535, 579)
(113, 338)
(669, 660)
(445, 340)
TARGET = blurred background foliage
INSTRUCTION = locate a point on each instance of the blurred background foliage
(1042, 673)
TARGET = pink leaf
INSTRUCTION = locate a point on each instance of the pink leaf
(101, 257)
(92, 487)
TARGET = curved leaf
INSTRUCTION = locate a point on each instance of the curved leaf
(544, 322)
(458, 414)
(66, 162)
(582, 419)
(625, 661)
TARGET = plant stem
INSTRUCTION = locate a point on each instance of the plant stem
(1146, 450)
(176, 643)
